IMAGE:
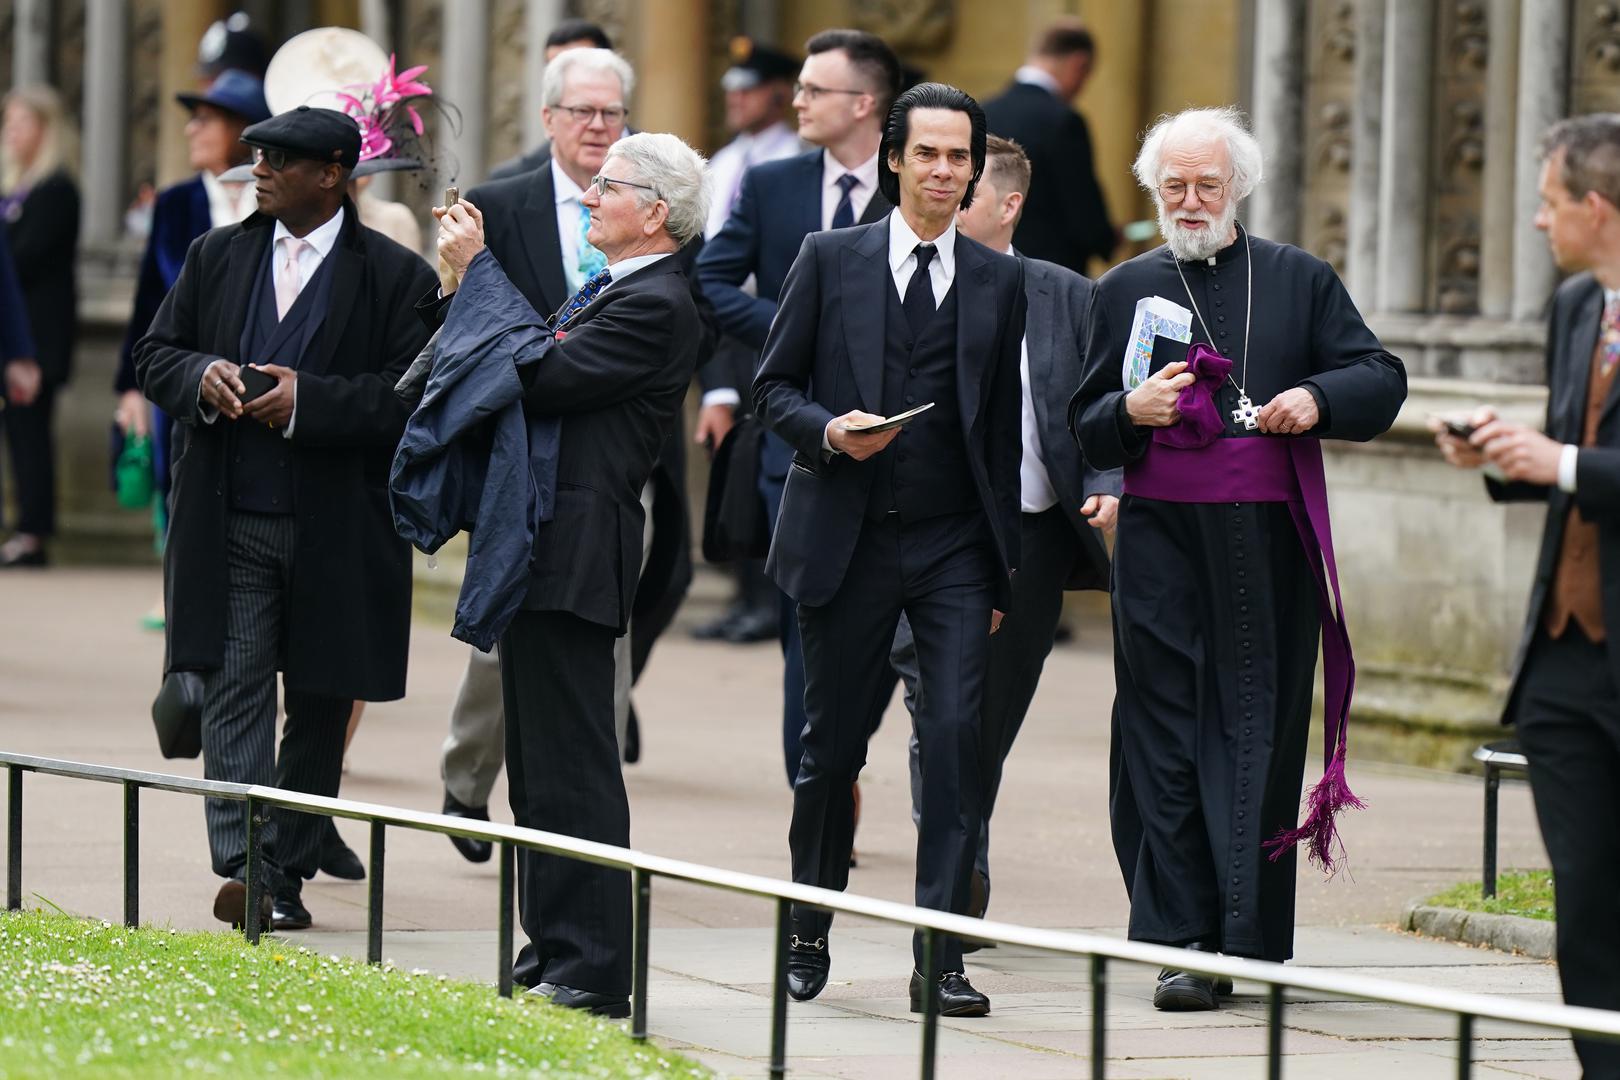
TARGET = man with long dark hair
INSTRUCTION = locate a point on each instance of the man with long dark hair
(920, 520)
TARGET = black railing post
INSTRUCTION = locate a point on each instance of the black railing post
(1099, 1017)
(638, 974)
(14, 838)
(1493, 784)
(1465, 1046)
(132, 853)
(930, 1002)
(255, 870)
(374, 896)
(1274, 1034)
(503, 922)
(784, 916)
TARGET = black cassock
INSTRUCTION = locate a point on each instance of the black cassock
(1216, 620)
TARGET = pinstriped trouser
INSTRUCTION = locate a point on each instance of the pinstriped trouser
(239, 710)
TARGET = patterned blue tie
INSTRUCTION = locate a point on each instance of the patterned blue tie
(844, 212)
(580, 300)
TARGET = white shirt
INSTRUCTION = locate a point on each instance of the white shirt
(570, 202)
(227, 203)
(1031, 75)
(729, 163)
(859, 195)
(618, 271)
(1035, 491)
(1568, 460)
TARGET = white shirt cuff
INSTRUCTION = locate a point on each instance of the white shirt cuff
(826, 443)
(722, 395)
(293, 419)
(1566, 469)
(208, 413)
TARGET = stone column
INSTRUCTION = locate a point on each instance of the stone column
(538, 19)
(1279, 120)
(1543, 82)
(1115, 103)
(1366, 124)
(106, 33)
(672, 76)
(1403, 166)
(31, 50)
(466, 70)
(183, 27)
(1496, 225)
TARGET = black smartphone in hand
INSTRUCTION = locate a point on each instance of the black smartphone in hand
(1459, 429)
(258, 384)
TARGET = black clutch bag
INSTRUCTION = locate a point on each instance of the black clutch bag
(177, 714)
(734, 522)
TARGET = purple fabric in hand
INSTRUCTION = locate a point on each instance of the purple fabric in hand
(1200, 422)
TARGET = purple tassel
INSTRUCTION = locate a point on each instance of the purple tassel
(1320, 832)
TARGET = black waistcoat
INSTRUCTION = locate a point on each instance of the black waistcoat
(261, 465)
(924, 473)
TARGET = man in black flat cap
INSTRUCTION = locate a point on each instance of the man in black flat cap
(281, 553)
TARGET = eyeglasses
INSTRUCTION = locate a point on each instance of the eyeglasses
(276, 159)
(1207, 189)
(600, 183)
(612, 116)
(811, 91)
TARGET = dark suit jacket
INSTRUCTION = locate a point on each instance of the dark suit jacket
(179, 216)
(1054, 331)
(617, 380)
(778, 205)
(348, 616)
(15, 340)
(824, 357)
(1065, 218)
(1572, 337)
(523, 163)
(45, 246)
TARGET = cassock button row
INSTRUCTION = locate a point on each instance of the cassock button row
(1248, 661)
(910, 400)
(1220, 318)
(1216, 286)
(1248, 731)
(1242, 814)
(1243, 626)
(1247, 698)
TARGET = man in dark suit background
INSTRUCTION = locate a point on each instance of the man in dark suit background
(615, 382)
(281, 552)
(848, 79)
(927, 527)
(568, 34)
(1065, 218)
(1565, 694)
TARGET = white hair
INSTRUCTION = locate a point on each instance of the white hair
(678, 174)
(585, 62)
(1200, 127)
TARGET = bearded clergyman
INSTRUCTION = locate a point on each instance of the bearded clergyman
(1214, 367)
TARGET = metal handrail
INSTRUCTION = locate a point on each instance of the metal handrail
(1466, 1006)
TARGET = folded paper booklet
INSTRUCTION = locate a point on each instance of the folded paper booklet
(897, 420)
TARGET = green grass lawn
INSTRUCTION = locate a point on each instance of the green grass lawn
(1527, 893)
(87, 997)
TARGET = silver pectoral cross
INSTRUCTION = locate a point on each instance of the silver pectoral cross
(1246, 414)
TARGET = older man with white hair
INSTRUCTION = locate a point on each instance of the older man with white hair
(1214, 366)
(613, 365)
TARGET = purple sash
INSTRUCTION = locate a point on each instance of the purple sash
(1270, 469)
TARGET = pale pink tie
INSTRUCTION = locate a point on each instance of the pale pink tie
(287, 283)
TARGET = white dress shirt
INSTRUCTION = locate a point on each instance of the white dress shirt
(1031, 75)
(859, 195)
(227, 203)
(1035, 491)
(1568, 459)
(618, 271)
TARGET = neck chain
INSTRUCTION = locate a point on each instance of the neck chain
(1245, 414)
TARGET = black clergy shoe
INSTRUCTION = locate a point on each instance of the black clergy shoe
(474, 851)
(718, 627)
(231, 902)
(1183, 991)
(752, 627)
(612, 1006)
(807, 966)
(289, 913)
(338, 859)
(954, 993)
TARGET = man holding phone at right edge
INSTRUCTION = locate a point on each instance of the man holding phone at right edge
(1564, 696)
(277, 350)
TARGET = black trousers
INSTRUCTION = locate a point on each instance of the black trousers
(1569, 724)
(562, 773)
(32, 450)
(239, 712)
(939, 573)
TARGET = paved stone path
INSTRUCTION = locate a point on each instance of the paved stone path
(76, 678)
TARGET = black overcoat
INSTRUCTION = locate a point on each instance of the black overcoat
(348, 616)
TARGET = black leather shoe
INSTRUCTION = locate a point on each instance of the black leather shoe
(807, 967)
(612, 1006)
(954, 993)
(1220, 985)
(289, 913)
(716, 628)
(751, 627)
(231, 902)
(1183, 991)
(472, 850)
(338, 859)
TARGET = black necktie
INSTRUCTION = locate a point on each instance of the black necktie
(919, 302)
(844, 212)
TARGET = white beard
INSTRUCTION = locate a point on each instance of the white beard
(1195, 245)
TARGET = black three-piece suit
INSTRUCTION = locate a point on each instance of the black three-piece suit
(281, 551)
(928, 527)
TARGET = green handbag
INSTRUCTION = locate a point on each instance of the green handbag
(133, 473)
